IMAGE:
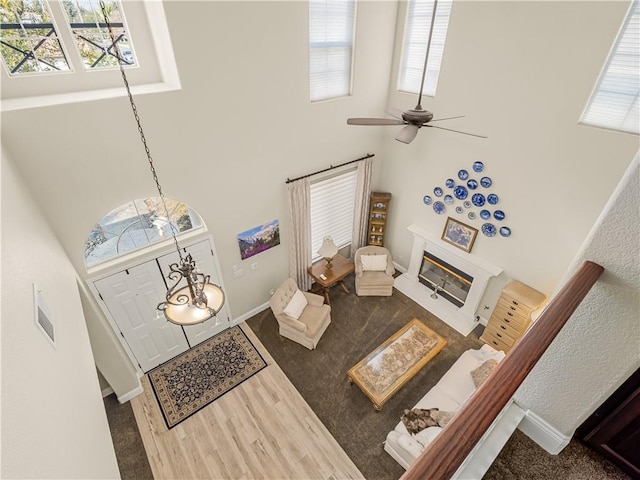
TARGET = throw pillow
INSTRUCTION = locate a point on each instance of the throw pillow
(481, 373)
(374, 263)
(418, 419)
(426, 436)
(296, 305)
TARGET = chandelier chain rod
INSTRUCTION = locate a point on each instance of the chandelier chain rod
(140, 130)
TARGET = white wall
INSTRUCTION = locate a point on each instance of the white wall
(225, 144)
(53, 420)
(521, 72)
(599, 347)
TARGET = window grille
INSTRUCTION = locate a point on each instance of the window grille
(414, 49)
(331, 37)
(614, 102)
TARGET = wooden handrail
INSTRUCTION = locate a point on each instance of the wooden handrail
(442, 458)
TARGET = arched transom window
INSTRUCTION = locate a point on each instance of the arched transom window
(137, 224)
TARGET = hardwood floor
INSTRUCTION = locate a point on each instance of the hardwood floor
(263, 428)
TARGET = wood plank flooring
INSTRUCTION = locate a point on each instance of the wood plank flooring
(263, 428)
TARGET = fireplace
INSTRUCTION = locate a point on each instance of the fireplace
(445, 280)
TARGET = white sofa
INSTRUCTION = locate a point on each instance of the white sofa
(449, 394)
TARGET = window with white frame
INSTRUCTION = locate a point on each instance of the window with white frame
(614, 102)
(414, 47)
(59, 51)
(331, 38)
(332, 209)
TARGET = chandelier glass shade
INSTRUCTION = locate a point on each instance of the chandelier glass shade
(192, 299)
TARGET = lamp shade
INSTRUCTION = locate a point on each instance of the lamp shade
(328, 249)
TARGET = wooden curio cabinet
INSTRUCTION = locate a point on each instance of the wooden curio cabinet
(378, 215)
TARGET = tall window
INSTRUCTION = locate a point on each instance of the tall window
(331, 35)
(332, 206)
(614, 102)
(414, 48)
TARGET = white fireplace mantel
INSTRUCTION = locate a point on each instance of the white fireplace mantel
(463, 319)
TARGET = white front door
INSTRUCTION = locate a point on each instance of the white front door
(132, 297)
(203, 256)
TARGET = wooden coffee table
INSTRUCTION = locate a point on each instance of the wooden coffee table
(340, 268)
(385, 370)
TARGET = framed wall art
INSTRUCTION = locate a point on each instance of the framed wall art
(459, 234)
(259, 239)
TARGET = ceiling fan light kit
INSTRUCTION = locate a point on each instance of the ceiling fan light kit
(417, 117)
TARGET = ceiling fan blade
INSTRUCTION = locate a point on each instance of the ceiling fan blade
(448, 118)
(456, 131)
(374, 121)
(407, 134)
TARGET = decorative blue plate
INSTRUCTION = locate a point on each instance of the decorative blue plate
(472, 184)
(463, 174)
(459, 209)
(505, 231)
(478, 166)
(489, 229)
(449, 183)
(448, 199)
(467, 204)
(472, 215)
(438, 207)
(492, 198)
(485, 214)
(437, 192)
(460, 192)
(427, 200)
(478, 199)
(498, 215)
(485, 182)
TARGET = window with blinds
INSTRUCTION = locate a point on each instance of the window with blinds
(332, 208)
(414, 48)
(614, 101)
(331, 35)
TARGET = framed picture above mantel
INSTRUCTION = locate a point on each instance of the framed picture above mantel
(459, 234)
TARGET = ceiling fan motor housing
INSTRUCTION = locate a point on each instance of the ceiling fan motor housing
(417, 117)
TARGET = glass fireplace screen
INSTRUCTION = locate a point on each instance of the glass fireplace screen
(444, 279)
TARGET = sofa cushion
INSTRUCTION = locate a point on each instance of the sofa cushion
(410, 444)
(426, 436)
(480, 374)
(373, 263)
(296, 305)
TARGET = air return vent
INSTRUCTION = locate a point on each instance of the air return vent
(43, 316)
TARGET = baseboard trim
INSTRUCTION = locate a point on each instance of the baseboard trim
(130, 394)
(106, 392)
(543, 433)
(400, 268)
(249, 314)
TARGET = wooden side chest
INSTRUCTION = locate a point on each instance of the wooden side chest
(512, 315)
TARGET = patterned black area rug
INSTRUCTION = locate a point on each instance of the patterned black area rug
(195, 378)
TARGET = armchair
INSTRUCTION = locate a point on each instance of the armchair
(374, 276)
(302, 317)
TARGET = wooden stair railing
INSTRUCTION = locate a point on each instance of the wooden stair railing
(442, 458)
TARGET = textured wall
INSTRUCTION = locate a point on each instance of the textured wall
(599, 347)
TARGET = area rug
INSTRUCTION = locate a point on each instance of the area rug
(195, 378)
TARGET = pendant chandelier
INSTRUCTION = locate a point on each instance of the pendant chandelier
(192, 299)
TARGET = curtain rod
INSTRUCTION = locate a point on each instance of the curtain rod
(331, 167)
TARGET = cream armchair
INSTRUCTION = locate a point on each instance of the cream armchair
(303, 317)
(374, 273)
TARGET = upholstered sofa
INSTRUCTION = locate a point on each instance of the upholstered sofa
(449, 394)
(304, 323)
(373, 278)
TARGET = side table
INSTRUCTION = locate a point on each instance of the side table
(340, 268)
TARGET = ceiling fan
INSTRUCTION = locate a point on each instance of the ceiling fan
(417, 117)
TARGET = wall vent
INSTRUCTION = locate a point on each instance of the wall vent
(44, 316)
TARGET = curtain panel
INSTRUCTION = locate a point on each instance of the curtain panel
(299, 232)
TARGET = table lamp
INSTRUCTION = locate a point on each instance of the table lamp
(328, 250)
